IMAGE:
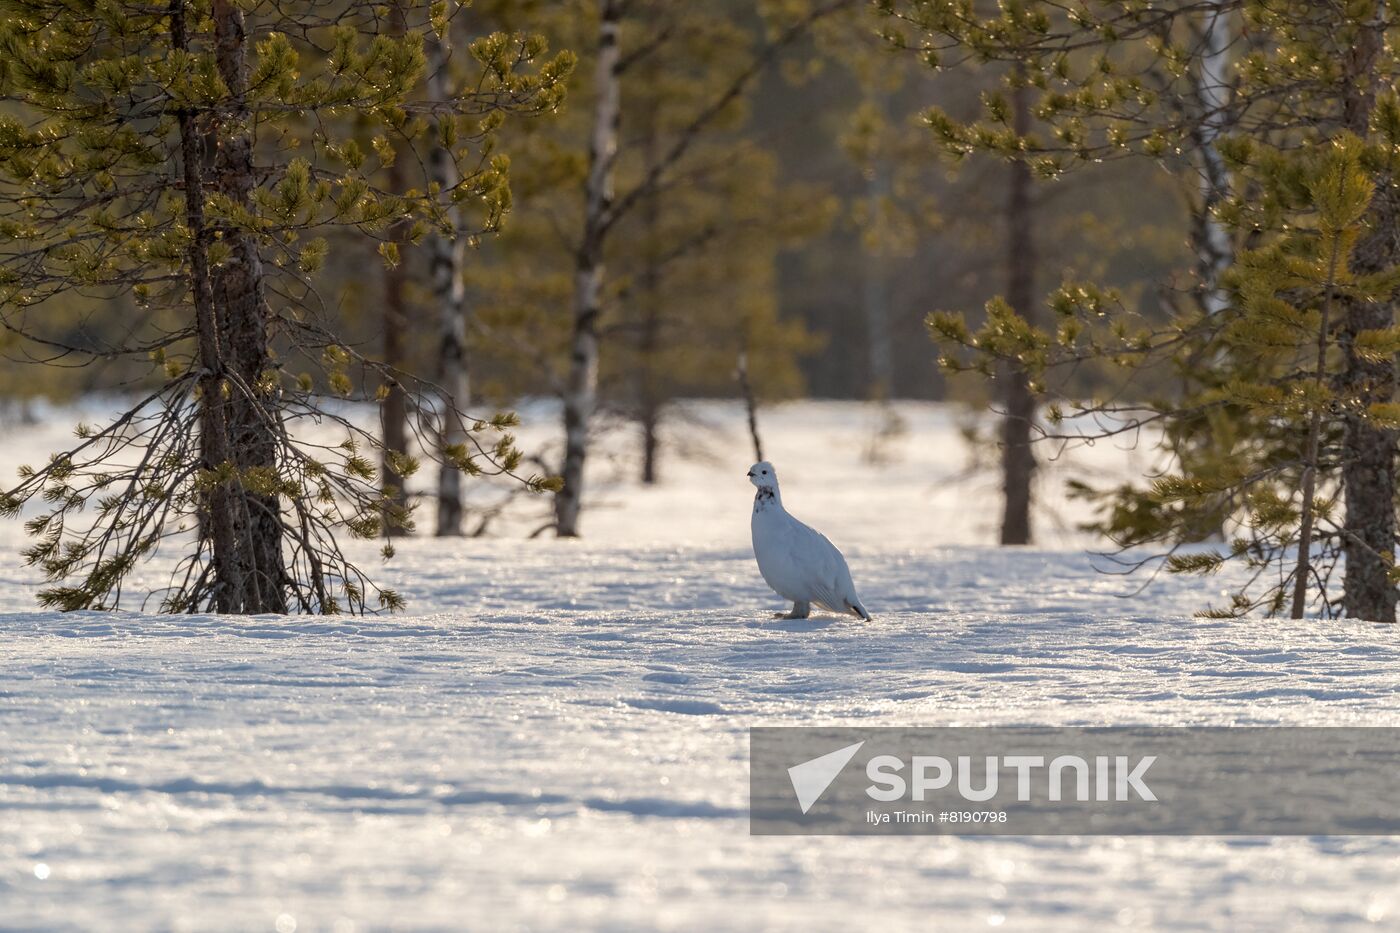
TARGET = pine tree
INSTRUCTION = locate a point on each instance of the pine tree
(1013, 186)
(1106, 78)
(193, 160)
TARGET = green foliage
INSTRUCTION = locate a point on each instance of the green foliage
(1235, 434)
(1109, 80)
(102, 241)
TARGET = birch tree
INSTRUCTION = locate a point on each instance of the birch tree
(604, 209)
(447, 251)
(1211, 76)
(581, 390)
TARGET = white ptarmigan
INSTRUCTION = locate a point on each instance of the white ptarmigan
(797, 561)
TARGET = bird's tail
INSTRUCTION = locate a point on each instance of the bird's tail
(858, 609)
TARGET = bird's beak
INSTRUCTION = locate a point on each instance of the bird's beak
(749, 474)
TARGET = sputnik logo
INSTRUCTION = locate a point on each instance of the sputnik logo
(811, 778)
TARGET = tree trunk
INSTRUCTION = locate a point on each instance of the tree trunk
(394, 320)
(876, 288)
(447, 256)
(650, 402)
(393, 410)
(651, 443)
(217, 522)
(253, 419)
(741, 373)
(1017, 457)
(649, 375)
(1214, 250)
(1303, 570)
(1368, 469)
(581, 390)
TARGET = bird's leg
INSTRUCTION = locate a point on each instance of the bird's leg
(800, 610)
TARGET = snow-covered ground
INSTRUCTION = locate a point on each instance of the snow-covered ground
(554, 737)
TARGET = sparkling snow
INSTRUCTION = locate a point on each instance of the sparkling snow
(554, 736)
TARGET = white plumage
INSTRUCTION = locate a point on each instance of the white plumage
(797, 561)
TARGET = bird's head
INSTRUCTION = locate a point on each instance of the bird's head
(763, 475)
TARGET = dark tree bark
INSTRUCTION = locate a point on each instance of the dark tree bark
(217, 521)
(393, 410)
(1368, 469)
(253, 417)
(750, 405)
(394, 320)
(651, 444)
(875, 297)
(1017, 457)
(1303, 571)
(649, 391)
(650, 402)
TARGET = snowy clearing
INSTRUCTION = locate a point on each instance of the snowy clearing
(555, 736)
